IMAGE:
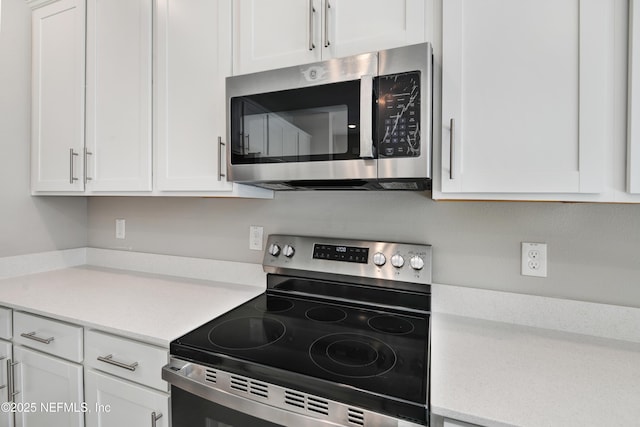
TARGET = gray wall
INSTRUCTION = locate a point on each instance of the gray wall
(27, 224)
(593, 249)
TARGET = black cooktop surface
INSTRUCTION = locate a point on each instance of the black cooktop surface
(375, 351)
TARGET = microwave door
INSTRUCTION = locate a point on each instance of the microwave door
(320, 132)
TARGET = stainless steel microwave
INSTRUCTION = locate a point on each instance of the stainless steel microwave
(361, 122)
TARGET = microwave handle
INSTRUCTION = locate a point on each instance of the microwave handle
(366, 118)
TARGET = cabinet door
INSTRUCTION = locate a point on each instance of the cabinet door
(633, 135)
(118, 403)
(193, 57)
(275, 34)
(119, 95)
(359, 26)
(42, 379)
(525, 91)
(58, 56)
(6, 418)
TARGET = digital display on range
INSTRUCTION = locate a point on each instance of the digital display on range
(341, 253)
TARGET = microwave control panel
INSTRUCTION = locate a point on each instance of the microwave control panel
(399, 115)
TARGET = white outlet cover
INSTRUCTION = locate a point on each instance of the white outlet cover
(120, 228)
(256, 234)
(534, 259)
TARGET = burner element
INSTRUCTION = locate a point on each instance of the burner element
(274, 304)
(352, 355)
(391, 325)
(326, 314)
(247, 333)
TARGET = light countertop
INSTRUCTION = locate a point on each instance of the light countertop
(499, 374)
(148, 307)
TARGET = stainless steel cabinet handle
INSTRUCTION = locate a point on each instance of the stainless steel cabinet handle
(11, 393)
(312, 11)
(220, 145)
(327, 6)
(452, 140)
(87, 178)
(32, 336)
(72, 178)
(154, 418)
(109, 359)
(366, 122)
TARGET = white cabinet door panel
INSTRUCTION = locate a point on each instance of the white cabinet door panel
(275, 34)
(527, 87)
(40, 378)
(359, 26)
(58, 62)
(119, 94)
(126, 404)
(633, 133)
(6, 353)
(193, 57)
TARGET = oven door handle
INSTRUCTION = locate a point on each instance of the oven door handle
(366, 117)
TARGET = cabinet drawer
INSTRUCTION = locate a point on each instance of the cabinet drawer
(126, 358)
(50, 336)
(6, 331)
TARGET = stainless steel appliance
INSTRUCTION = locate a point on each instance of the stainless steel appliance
(361, 122)
(339, 338)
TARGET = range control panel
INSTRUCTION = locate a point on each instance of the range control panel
(402, 262)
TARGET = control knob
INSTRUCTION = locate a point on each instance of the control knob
(397, 261)
(288, 251)
(379, 259)
(416, 262)
(274, 249)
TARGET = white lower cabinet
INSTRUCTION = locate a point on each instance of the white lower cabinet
(118, 403)
(129, 391)
(53, 388)
(56, 374)
(6, 358)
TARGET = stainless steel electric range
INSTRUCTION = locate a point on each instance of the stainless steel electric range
(339, 338)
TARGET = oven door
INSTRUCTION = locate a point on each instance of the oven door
(306, 123)
(189, 410)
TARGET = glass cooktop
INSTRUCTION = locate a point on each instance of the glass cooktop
(320, 346)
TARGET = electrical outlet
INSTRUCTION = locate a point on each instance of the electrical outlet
(120, 228)
(534, 259)
(256, 233)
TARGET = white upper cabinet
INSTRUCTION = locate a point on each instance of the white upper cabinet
(358, 26)
(193, 57)
(526, 96)
(280, 33)
(275, 33)
(118, 135)
(58, 55)
(633, 134)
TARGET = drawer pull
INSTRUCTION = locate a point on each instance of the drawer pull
(109, 359)
(155, 417)
(32, 336)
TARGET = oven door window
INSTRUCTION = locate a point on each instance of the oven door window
(189, 410)
(317, 123)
